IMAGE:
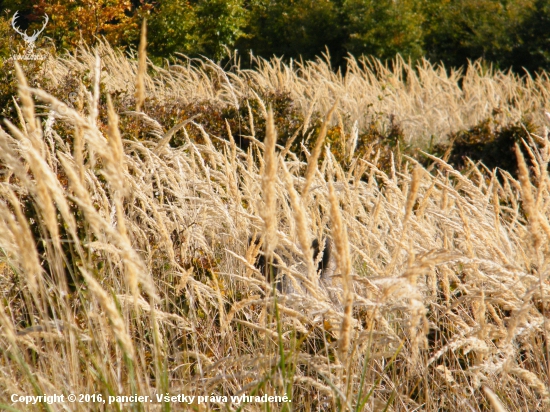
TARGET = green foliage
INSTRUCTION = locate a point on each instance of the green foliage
(218, 24)
(202, 27)
(294, 28)
(456, 31)
(384, 28)
(169, 28)
(532, 50)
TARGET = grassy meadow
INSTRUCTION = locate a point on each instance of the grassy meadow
(129, 192)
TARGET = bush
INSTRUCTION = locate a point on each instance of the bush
(487, 142)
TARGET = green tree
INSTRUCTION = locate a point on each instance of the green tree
(532, 49)
(294, 28)
(169, 28)
(219, 23)
(383, 28)
(202, 27)
(458, 30)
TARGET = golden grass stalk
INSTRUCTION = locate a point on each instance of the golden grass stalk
(251, 118)
(352, 143)
(493, 399)
(134, 266)
(78, 152)
(46, 186)
(142, 67)
(7, 326)
(31, 125)
(534, 382)
(413, 193)
(94, 102)
(314, 157)
(409, 204)
(269, 181)
(343, 261)
(528, 199)
(23, 237)
(117, 161)
(302, 226)
(117, 323)
(115, 166)
(168, 135)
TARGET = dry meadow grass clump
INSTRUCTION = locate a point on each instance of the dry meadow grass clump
(126, 266)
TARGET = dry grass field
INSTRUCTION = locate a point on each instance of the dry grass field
(126, 266)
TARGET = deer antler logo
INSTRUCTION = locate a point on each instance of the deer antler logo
(29, 40)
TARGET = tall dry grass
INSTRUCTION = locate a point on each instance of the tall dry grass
(428, 101)
(126, 265)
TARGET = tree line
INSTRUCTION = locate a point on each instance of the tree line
(505, 33)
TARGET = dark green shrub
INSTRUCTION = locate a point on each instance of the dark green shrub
(487, 142)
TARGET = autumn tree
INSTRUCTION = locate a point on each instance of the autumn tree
(72, 21)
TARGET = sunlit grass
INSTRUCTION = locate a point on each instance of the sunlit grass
(126, 266)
